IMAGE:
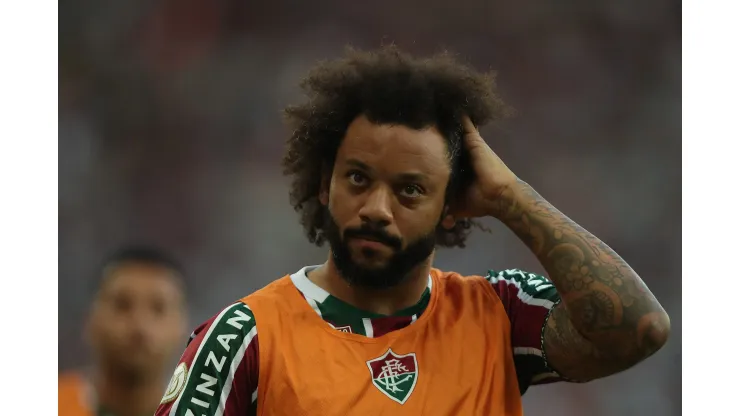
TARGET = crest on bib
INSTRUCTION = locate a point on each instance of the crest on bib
(394, 375)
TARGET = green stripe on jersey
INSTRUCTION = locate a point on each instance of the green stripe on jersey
(211, 375)
(342, 314)
(534, 285)
(333, 310)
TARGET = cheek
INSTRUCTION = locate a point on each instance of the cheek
(416, 224)
(163, 337)
(172, 328)
(332, 192)
(342, 207)
(112, 335)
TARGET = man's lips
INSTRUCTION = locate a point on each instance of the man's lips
(371, 243)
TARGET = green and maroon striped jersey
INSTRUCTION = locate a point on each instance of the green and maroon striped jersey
(218, 372)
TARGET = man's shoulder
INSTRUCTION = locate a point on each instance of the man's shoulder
(274, 289)
(456, 285)
(505, 283)
(236, 319)
(522, 284)
(491, 275)
(517, 276)
(509, 276)
(457, 279)
(218, 366)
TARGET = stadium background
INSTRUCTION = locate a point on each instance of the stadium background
(170, 133)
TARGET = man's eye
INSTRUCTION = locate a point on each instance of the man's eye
(412, 191)
(357, 178)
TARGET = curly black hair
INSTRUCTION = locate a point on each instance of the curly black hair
(388, 86)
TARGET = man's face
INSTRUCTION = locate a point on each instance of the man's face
(137, 321)
(385, 201)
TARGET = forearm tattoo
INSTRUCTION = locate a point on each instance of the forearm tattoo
(607, 320)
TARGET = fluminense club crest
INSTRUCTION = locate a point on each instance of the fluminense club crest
(395, 375)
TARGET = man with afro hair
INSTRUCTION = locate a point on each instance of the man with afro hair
(387, 164)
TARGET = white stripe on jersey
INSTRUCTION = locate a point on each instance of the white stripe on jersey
(238, 357)
(545, 376)
(314, 305)
(307, 287)
(368, 327)
(173, 411)
(527, 351)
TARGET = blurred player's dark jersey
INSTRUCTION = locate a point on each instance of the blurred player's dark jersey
(471, 345)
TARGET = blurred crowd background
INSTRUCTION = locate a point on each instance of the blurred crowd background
(170, 133)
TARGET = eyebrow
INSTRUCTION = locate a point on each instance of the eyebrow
(356, 163)
(404, 177)
(412, 177)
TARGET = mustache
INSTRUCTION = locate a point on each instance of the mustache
(372, 233)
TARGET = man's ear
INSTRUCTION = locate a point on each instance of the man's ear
(448, 220)
(324, 187)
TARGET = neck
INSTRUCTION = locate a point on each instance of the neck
(380, 301)
(124, 396)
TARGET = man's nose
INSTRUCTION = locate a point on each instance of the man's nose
(377, 208)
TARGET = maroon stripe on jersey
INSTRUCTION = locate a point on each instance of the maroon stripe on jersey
(187, 357)
(527, 331)
(382, 326)
(526, 320)
(245, 382)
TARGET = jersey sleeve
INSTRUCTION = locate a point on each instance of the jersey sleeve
(218, 372)
(528, 299)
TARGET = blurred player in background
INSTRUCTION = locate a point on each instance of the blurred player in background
(387, 164)
(135, 327)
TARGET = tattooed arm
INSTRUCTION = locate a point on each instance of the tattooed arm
(607, 320)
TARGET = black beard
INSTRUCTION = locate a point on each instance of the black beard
(393, 273)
